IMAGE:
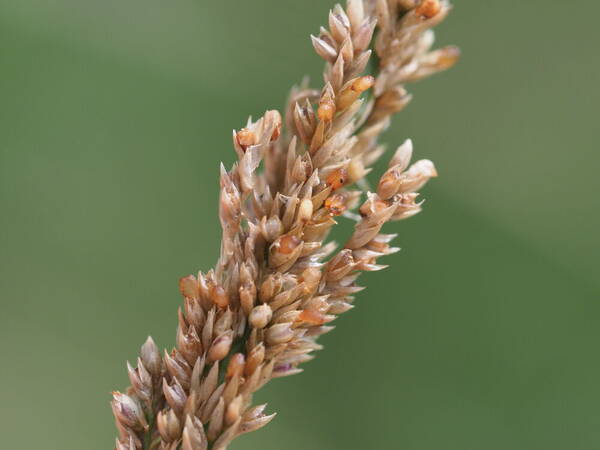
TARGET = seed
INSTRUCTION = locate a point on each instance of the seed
(279, 334)
(233, 410)
(372, 207)
(350, 93)
(389, 184)
(236, 365)
(363, 83)
(276, 118)
(255, 357)
(246, 138)
(305, 210)
(289, 243)
(326, 110)
(448, 57)
(189, 287)
(219, 296)
(220, 347)
(260, 316)
(312, 317)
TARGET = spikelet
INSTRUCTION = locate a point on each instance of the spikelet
(278, 283)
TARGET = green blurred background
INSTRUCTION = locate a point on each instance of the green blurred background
(483, 334)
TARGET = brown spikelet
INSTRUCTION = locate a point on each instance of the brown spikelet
(278, 282)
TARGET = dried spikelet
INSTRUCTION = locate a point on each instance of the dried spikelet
(278, 283)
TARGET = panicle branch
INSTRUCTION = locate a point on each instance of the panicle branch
(279, 283)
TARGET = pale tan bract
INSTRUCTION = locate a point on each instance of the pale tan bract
(278, 283)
